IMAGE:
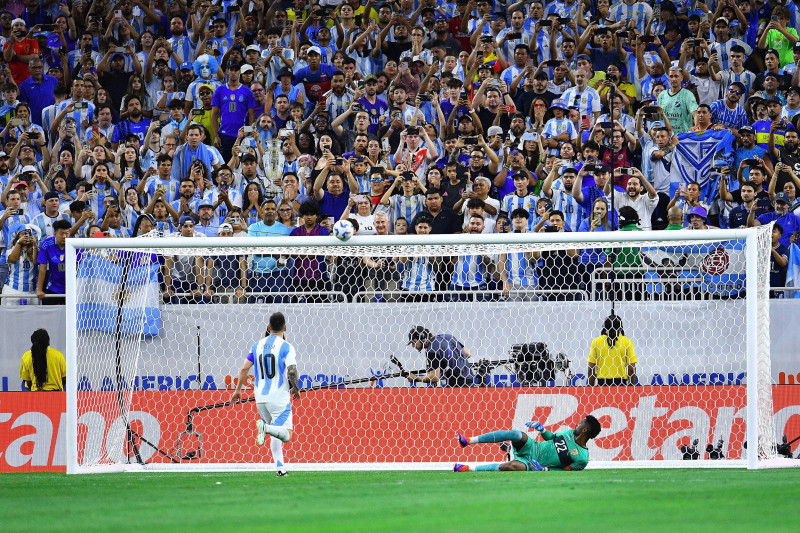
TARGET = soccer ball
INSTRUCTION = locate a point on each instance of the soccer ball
(343, 230)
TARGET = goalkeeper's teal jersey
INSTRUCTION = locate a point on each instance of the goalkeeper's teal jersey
(562, 444)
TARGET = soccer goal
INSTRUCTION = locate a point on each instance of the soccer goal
(157, 329)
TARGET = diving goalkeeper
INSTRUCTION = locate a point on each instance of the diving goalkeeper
(559, 451)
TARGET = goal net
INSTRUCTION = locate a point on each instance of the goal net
(158, 329)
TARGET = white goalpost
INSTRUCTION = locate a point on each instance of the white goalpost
(157, 328)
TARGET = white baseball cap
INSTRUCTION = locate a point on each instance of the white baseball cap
(314, 49)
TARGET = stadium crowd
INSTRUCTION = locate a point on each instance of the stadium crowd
(253, 118)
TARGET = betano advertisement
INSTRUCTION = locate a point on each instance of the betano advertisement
(383, 424)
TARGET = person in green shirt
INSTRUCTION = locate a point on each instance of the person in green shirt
(565, 450)
(679, 104)
(779, 36)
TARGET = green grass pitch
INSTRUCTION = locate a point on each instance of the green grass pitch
(594, 500)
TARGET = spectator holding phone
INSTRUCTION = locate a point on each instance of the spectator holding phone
(22, 267)
(20, 49)
(13, 215)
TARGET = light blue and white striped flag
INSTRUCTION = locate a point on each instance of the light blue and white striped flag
(105, 281)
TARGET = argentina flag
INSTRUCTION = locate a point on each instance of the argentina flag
(694, 156)
(793, 272)
(104, 280)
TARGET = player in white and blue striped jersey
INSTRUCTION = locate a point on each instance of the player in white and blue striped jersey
(22, 267)
(585, 98)
(520, 198)
(727, 111)
(517, 269)
(472, 272)
(559, 128)
(418, 273)
(44, 220)
(562, 198)
(626, 10)
(275, 362)
(405, 205)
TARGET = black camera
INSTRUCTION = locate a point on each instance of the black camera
(412, 130)
(533, 364)
(551, 229)
(715, 452)
(425, 98)
(690, 453)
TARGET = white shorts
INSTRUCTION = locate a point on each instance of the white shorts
(276, 414)
(27, 297)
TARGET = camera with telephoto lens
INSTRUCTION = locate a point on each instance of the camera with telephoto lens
(715, 452)
(533, 364)
(690, 453)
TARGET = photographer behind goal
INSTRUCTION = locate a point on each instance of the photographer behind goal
(446, 359)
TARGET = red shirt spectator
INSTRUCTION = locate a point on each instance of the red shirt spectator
(18, 50)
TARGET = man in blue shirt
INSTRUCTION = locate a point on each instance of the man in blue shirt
(788, 221)
(270, 273)
(447, 360)
(232, 107)
(51, 264)
(136, 123)
(38, 90)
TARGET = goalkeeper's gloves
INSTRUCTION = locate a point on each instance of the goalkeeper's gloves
(535, 425)
(536, 466)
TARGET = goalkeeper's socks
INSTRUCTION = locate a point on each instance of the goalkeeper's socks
(278, 432)
(491, 467)
(498, 436)
(277, 451)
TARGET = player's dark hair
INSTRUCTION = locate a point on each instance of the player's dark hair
(40, 341)
(594, 426)
(474, 203)
(57, 226)
(309, 208)
(354, 222)
(777, 227)
(277, 322)
(612, 329)
(520, 213)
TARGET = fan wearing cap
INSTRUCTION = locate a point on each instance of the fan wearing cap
(559, 128)
(788, 221)
(44, 220)
(769, 87)
(20, 49)
(771, 127)
(316, 77)
(792, 107)
(446, 359)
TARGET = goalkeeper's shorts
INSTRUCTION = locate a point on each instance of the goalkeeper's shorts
(526, 454)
